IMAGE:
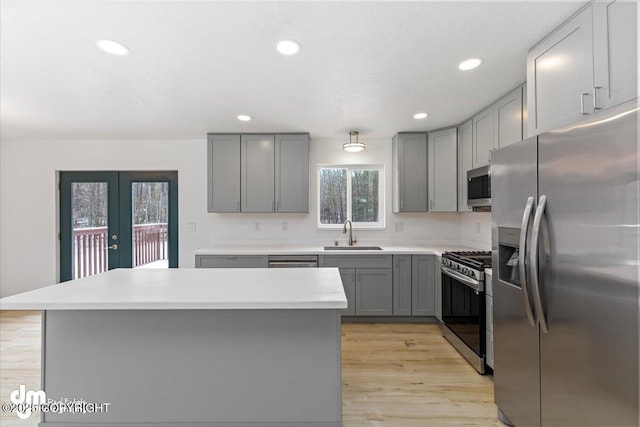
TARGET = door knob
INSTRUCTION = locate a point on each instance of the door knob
(114, 247)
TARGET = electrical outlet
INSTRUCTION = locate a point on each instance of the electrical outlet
(284, 225)
(256, 226)
(398, 227)
(478, 227)
(191, 227)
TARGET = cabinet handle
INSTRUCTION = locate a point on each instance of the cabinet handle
(273, 205)
(430, 204)
(232, 257)
(582, 95)
(359, 276)
(278, 205)
(595, 100)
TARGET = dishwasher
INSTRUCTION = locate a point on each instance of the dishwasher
(293, 261)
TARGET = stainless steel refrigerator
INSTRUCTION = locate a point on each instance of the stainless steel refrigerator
(565, 213)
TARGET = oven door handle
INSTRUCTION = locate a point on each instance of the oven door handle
(472, 283)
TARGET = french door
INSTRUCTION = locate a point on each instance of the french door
(117, 220)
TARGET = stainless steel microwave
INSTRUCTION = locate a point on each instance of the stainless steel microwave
(479, 188)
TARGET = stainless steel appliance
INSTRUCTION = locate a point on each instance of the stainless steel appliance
(463, 303)
(565, 257)
(293, 261)
(479, 188)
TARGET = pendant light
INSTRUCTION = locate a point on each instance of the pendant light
(353, 146)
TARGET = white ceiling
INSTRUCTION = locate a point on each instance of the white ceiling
(194, 66)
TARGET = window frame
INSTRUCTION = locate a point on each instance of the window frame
(381, 223)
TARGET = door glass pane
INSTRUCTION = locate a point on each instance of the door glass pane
(150, 202)
(364, 195)
(89, 223)
(333, 196)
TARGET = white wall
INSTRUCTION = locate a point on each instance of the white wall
(28, 203)
(475, 230)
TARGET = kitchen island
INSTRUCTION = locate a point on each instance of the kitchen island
(193, 347)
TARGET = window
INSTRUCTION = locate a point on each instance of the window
(354, 192)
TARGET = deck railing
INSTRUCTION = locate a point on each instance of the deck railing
(90, 247)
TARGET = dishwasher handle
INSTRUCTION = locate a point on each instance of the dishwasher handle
(293, 264)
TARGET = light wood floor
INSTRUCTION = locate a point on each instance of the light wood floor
(392, 375)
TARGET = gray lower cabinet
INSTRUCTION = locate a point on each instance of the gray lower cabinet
(374, 292)
(367, 280)
(409, 179)
(489, 318)
(402, 285)
(348, 276)
(423, 285)
(223, 169)
(414, 285)
(232, 261)
(438, 289)
(257, 166)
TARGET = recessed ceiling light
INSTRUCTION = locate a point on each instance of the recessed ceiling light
(420, 116)
(244, 117)
(112, 47)
(288, 47)
(469, 64)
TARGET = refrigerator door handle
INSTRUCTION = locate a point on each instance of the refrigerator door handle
(526, 219)
(533, 263)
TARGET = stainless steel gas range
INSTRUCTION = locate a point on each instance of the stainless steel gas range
(463, 304)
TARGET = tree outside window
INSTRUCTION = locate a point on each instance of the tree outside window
(352, 192)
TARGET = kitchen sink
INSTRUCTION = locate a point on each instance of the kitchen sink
(352, 248)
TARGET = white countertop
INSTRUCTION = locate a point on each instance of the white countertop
(319, 250)
(189, 288)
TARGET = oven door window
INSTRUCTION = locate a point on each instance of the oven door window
(461, 309)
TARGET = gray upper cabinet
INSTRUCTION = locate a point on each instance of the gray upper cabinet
(292, 173)
(465, 163)
(508, 119)
(257, 166)
(409, 172)
(443, 170)
(423, 285)
(615, 52)
(560, 75)
(223, 168)
(374, 292)
(483, 124)
(258, 173)
(402, 285)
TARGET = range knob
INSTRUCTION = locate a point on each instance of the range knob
(465, 271)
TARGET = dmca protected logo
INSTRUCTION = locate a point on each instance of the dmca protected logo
(25, 402)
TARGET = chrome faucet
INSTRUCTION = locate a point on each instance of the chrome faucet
(344, 231)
